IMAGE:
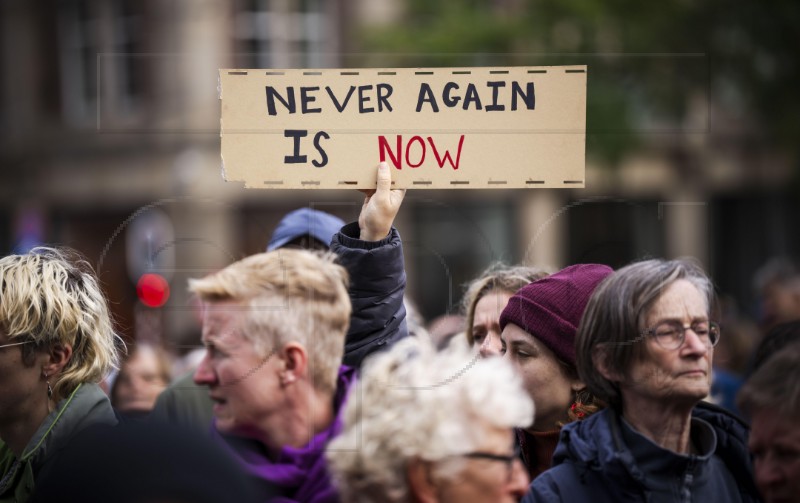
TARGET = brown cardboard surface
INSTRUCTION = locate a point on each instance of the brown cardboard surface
(539, 144)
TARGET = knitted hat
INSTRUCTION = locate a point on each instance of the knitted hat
(550, 309)
(305, 222)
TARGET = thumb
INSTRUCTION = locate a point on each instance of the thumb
(384, 177)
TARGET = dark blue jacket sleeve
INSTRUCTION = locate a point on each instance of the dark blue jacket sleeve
(377, 284)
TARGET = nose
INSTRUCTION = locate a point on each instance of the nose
(694, 343)
(518, 485)
(768, 472)
(491, 345)
(204, 376)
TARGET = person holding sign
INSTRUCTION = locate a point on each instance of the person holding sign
(372, 253)
(274, 327)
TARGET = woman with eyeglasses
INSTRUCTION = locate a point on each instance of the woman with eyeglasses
(56, 343)
(645, 346)
(431, 427)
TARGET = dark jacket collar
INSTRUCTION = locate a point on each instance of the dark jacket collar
(596, 444)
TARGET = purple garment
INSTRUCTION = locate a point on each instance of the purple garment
(298, 474)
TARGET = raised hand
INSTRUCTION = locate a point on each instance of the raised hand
(380, 207)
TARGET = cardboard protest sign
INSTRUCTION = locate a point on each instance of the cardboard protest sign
(512, 127)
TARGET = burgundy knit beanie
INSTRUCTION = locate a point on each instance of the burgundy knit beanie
(550, 309)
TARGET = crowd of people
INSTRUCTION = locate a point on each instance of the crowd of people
(584, 384)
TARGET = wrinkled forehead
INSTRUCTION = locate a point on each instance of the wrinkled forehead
(680, 300)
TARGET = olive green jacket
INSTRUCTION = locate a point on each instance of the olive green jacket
(86, 406)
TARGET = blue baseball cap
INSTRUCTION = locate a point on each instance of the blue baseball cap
(305, 222)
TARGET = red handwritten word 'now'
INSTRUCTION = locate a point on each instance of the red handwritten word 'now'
(417, 150)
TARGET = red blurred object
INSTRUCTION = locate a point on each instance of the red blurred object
(153, 290)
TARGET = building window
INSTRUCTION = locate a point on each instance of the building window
(286, 34)
(98, 46)
(451, 243)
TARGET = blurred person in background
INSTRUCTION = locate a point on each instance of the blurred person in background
(732, 354)
(305, 229)
(771, 400)
(142, 376)
(538, 339)
(430, 426)
(645, 346)
(735, 351)
(485, 298)
(779, 337)
(57, 342)
(778, 285)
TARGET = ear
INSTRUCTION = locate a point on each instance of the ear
(600, 362)
(295, 363)
(57, 358)
(420, 484)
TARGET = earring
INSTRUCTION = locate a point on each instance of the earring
(582, 398)
(49, 388)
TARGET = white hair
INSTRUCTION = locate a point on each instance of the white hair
(413, 403)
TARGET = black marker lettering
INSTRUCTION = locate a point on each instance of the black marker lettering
(425, 94)
(295, 158)
(288, 103)
(495, 107)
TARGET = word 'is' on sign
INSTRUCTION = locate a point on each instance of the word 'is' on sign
(512, 127)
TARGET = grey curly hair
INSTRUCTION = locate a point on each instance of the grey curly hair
(413, 403)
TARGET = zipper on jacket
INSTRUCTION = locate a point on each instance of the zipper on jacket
(688, 478)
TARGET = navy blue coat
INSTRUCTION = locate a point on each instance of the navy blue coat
(377, 284)
(594, 462)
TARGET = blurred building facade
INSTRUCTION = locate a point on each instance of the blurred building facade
(109, 112)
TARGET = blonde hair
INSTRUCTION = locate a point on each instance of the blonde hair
(500, 277)
(291, 296)
(413, 403)
(51, 296)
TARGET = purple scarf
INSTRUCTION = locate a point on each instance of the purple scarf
(299, 474)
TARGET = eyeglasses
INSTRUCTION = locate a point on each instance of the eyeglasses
(672, 334)
(14, 344)
(508, 460)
